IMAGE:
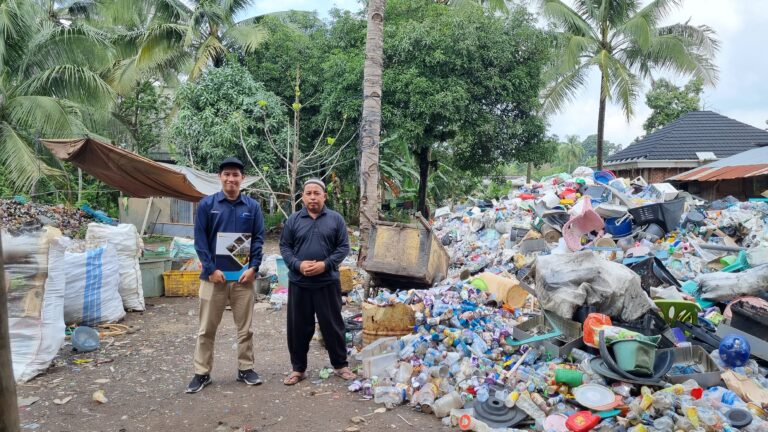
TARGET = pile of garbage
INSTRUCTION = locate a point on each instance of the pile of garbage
(583, 302)
(19, 216)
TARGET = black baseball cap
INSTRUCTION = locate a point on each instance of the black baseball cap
(231, 162)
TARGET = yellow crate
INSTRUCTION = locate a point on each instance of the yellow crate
(181, 283)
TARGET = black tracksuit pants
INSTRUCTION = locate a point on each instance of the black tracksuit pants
(304, 302)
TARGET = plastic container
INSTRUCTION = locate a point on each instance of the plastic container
(282, 273)
(390, 396)
(85, 339)
(572, 378)
(618, 227)
(604, 177)
(181, 283)
(635, 356)
(443, 406)
(378, 365)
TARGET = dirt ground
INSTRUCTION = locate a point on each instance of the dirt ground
(143, 376)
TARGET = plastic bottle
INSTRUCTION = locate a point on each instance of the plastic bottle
(443, 406)
(425, 397)
(482, 394)
(525, 403)
(390, 396)
(404, 372)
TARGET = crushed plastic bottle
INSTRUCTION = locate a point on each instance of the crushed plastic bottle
(390, 396)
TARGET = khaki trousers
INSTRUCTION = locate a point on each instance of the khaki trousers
(213, 300)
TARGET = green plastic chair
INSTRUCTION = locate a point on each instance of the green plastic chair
(679, 310)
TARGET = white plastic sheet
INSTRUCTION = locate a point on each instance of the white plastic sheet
(565, 282)
(720, 286)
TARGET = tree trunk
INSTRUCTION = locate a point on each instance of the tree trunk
(9, 420)
(601, 125)
(528, 172)
(423, 181)
(370, 128)
(296, 137)
(79, 185)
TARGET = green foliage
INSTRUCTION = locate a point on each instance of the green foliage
(463, 77)
(145, 111)
(670, 102)
(214, 110)
(590, 148)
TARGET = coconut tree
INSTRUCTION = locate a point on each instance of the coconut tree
(370, 123)
(625, 43)
(52, 85)
(571, 151)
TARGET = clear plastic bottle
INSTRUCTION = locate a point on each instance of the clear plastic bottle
(425, 397)
(390, 396)
(525, 403)
(482, 394)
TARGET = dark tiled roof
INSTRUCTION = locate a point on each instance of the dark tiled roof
(698, 131)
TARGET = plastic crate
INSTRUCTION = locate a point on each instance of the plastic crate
(181, 283)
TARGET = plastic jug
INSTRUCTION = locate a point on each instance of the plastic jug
(443, 406)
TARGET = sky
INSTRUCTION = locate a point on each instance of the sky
(741, 92)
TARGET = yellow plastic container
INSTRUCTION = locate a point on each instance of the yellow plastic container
(181, 283)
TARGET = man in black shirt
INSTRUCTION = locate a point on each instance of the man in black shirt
(313, 244)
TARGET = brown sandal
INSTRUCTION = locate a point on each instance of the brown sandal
(294, 378)
(345, 373)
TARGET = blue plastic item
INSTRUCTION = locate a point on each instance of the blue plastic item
(691, 288)
(603, 177)
(282, 273)
(85, 339)
(618, 227)
(734, 350)
(99, 215)
(740, 264)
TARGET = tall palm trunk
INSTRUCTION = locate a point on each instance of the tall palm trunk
(601, 122)
(423, 180)
(370, 129)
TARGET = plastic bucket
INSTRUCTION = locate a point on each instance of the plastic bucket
(618, 227)
(282, 273)
(635, 356)
(603, 177)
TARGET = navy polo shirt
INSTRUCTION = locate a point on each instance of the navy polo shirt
(307, 239)
(216, 214)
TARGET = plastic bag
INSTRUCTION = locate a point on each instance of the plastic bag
(183, 248)
(35, 300)
(128, 245)
(565, 282)
(722, 286)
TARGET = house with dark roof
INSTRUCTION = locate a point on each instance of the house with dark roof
(695, 139)
(743, 176)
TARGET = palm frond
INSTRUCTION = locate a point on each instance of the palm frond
(234, 7)
(209, 49)
(247, 36)
(77, 45)
(23, 168)
(44, 116)
(563, 88)
(75, 83)
(567, 18)
(625, 86)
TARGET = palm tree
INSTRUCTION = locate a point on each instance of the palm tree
(52, 81)
(201, 34)
(571, 151)
(625, 43)
(370, 123)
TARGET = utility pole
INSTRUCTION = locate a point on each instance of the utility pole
(9, 420)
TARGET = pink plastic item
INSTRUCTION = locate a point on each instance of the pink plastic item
(581, 224)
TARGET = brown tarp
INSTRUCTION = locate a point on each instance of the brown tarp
(132, 174)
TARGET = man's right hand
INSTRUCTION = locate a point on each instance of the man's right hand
(217, 277)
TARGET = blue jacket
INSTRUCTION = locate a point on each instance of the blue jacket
(322, 239)
(215, 214)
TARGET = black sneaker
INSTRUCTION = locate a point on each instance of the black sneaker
(198, 383)
(249, 376)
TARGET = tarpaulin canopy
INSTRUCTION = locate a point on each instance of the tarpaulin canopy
(135, 175)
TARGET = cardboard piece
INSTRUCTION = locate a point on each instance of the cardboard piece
(506, 288)
(747, 389)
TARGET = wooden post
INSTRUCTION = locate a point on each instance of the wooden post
(146, 216)
(9, 420)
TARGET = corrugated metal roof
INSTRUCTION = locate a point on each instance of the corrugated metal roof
(722, 173)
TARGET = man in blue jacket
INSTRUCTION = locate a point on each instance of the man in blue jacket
(313, 244)
(227, 211)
